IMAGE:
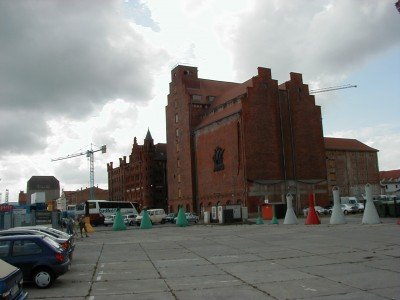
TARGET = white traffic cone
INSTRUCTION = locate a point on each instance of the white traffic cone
(290, 217)
(370, 215)
(337, 213)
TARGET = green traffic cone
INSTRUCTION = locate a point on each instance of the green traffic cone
(118, 222)
(181, 221)
(146, 222)
(259, 219)
(274, 219)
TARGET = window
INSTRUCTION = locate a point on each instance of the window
(218, 159)
(179, 193)
(179, 177)
(25, 247)
(196, 97)
(4, 248)
(178, 163)
(176, 118)
(177, 132)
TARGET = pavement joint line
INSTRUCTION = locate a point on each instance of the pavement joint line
(158, 271)
(234, 276)
(94, 270)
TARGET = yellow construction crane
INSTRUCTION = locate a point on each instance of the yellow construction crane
(89, 153)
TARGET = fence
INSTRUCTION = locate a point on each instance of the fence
(12, 219)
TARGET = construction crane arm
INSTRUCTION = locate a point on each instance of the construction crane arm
(69, 156)
(332, 88)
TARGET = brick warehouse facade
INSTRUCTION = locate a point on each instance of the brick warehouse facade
(231, 143)
(350, 166)
(143, 178)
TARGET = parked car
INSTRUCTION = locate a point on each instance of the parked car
(55, 233)
(62, 241)
(170, 218)
(109, 220)
(156, 216)
(348, 208)
(360, 207)
(318, 209)
(11, 282)
(190, 217)
(130, 219)
(40, 258)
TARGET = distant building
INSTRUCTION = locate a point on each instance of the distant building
(142, 179)
(47, 184)
(390, 182)
(236, 143)
(22, 198)
(351, 165)
(81, 195)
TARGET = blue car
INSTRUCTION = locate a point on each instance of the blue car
(11, 282)
(40, 258)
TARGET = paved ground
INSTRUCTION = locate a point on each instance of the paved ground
(351, 261)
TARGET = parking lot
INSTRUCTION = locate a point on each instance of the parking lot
(350, 261)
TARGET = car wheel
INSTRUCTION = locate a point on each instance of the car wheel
(43, 278)
(162, 221)
(130, 223)
(106, 225)
(330, 212)
(345, 212)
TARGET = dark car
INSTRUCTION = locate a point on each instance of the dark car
(55, 233)
(63, 241)
(11, 282)
(170, 218)
(40, 258)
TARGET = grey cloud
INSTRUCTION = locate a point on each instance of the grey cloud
(321, 39)
(68, 59)
(15, 138)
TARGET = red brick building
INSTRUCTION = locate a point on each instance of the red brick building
(350, 166)
(231, 143)
(142, 179)
(82, 195)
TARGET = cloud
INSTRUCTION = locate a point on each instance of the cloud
(385, 138)
(66, 60)
(324, 40)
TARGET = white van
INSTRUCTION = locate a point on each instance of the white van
(157, 215)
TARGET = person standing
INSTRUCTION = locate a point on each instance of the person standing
(82, 226)
(70, 226)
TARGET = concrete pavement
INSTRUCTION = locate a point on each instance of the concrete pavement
(350, 261)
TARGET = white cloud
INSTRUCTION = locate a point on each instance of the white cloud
(385, 138)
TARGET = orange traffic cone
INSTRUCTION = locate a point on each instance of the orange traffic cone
(312, 217)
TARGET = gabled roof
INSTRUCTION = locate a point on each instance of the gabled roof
(346, 145)
(387, 175)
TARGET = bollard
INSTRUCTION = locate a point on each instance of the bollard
(290, 217)
(370, 215)
(337, 216)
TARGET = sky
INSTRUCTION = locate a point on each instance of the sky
(76, 75)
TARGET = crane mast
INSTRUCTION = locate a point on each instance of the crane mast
(90, 154)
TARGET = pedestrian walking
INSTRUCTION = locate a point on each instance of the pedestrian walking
(82, 226)
(70, 226)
